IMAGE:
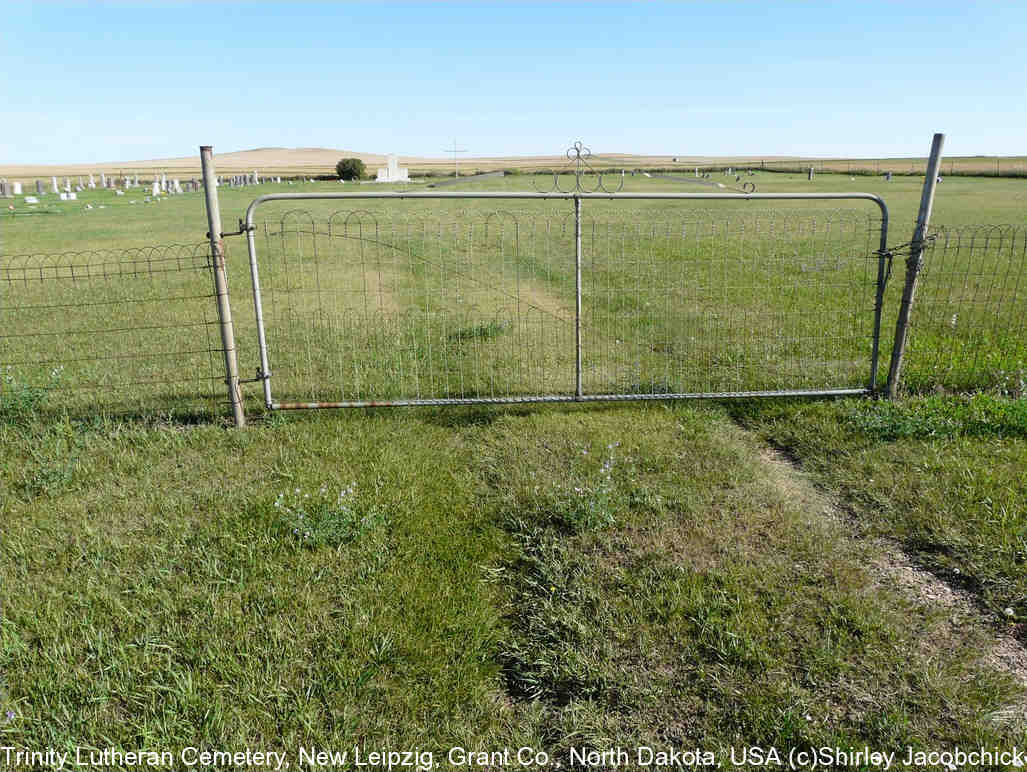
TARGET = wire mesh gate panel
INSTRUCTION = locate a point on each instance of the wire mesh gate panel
(404, 299)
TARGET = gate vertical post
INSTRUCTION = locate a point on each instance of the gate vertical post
(217, 253)
(913, 265)
(577, 292)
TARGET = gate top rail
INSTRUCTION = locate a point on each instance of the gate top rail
(252, 208)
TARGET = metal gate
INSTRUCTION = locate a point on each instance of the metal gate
(461, 298)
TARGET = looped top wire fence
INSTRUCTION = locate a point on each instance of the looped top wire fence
(578, 155)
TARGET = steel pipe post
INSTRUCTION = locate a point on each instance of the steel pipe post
(913, 265)
(217, 254)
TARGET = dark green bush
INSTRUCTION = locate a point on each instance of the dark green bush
(351, 169)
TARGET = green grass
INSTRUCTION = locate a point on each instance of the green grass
(552, 577)
(943, 476)
(491, 578)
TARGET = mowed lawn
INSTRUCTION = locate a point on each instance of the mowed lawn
(483, 578)
(487, 577)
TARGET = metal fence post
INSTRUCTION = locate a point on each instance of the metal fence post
(577, 291)
(217, 253)
(913, 265)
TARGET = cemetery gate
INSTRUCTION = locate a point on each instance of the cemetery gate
(460, 298)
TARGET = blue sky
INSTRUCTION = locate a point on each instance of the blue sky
(93, 82)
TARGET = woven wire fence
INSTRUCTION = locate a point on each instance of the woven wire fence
(110, 331)
(952, 167)
(373, 305)
(968, 329)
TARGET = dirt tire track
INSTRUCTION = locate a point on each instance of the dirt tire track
(894, 569)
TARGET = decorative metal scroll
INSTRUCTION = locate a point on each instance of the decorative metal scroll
(584, 174)
(589, 180)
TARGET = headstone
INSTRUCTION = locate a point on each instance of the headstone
(72, 196)
(67, 185)
(811, 174)
(39, 187)
(135, 181)
(3, 189)
(92, 181)
(164, 183)
(17, 188)
(79, 188)
(392, 172)
(119, 192)
(31, 200)
(103, 180)
(64, 196)
(155, 190)
(178, 186)
(53, 185)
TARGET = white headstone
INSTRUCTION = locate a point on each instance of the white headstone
(119, 192)
(39, 187)
(31, 200)
(64, 196)
(103, 180)
(17, 188)
(177, 184)
(155, 189)
(92, 181)
(53, 185)
(393, 172)
(72, 196)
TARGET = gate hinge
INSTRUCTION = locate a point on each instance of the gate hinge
(260, 377)
(243, 228)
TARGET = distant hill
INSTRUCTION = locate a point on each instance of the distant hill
(322, 160)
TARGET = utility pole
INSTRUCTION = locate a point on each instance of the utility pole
(454, 150)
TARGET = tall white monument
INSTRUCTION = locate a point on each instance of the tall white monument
(393, 172)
